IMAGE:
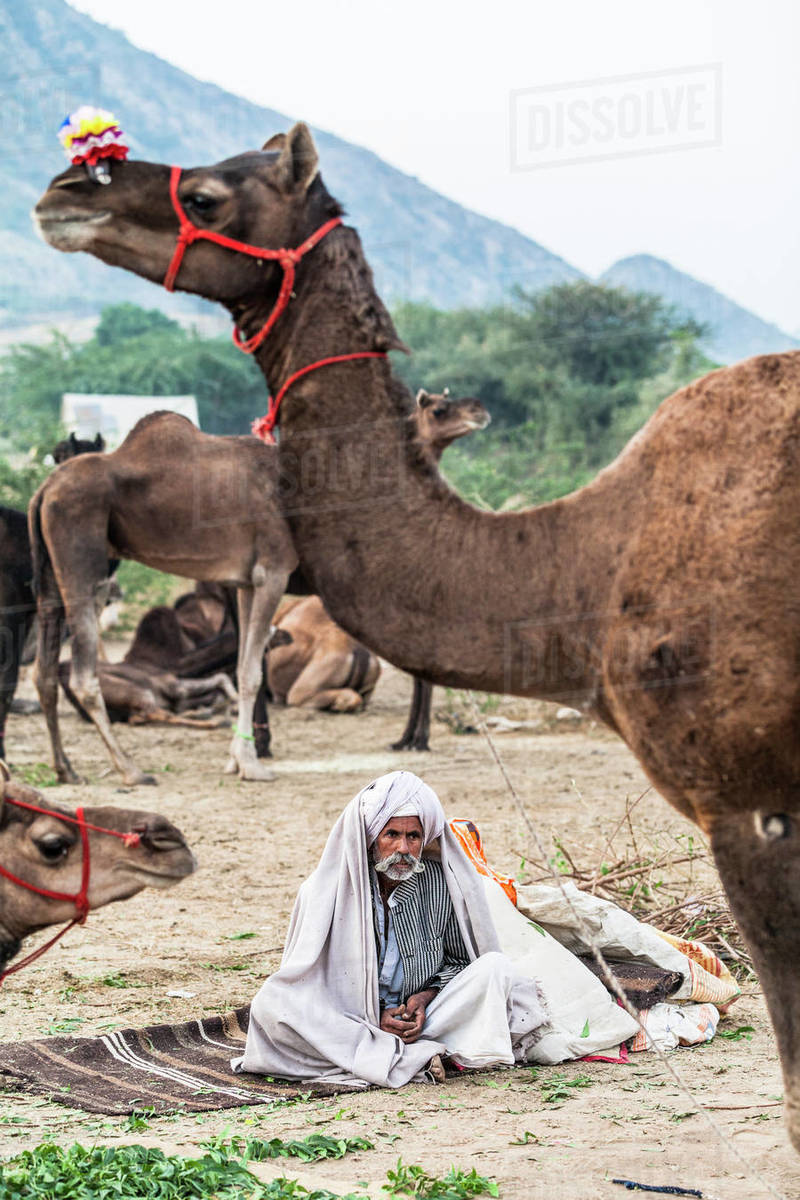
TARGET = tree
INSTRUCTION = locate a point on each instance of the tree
(118, 322)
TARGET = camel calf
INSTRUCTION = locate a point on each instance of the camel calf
(44, 851)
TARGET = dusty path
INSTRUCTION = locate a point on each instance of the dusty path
(256, 842)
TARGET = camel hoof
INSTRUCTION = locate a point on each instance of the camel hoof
(231, 767)
(140, 779)
(257, 773)
(67, 775)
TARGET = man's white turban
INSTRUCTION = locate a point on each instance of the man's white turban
(400, 794)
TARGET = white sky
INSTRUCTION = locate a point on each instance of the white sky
(427, 84)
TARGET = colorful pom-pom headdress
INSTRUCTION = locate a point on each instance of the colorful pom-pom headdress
(92, 136)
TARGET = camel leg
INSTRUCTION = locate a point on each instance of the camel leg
(256, 608)
(261, 714)
(160, 716)
(86, 686)
(415, 735)
(309, 690)
(185, 689)
(14, 625)
(45, 671)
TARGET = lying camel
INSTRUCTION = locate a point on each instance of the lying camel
(178, 500)
(139, 696)
(43, 850)
(322, 666)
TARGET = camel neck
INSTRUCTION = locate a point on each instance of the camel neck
(461, 596)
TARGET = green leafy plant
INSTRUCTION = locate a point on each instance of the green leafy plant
(559, 1088)
(412, 1180)
(37, 774)
(309, 1149)
(740, 1033)
(140, 1173)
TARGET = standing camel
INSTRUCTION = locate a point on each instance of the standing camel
(44, 850)
(17, 602)
(177, 500)
(324, 667)
(440, 421)
(662, 596)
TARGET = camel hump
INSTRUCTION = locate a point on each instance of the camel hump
(161, 426)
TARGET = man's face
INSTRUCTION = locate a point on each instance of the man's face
(397, 848)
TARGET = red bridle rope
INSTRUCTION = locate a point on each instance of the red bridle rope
(80, 898)
(288, 259)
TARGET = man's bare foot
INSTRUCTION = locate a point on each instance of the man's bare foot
(434, 1071)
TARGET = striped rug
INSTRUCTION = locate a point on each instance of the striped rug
(163, 1068)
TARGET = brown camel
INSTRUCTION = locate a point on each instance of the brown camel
(175, 499)
(662, 597)
(440, 421)
(45, 851)
(140, 696)
(322, 666)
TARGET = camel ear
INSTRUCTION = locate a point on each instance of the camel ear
(298, 161)
(424, 399)
(276, 142)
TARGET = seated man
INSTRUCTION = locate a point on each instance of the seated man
(391, 959)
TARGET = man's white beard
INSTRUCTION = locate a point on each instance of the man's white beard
(387, 866)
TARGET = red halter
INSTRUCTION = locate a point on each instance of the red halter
(288, 259)
(81, 898)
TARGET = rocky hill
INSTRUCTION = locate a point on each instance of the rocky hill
(422, 246)
(733, 331)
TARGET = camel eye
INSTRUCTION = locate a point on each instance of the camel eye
(53, 847)
(200, 203)
(774, 827)
(441, 411)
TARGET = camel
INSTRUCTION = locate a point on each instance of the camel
(178, 500)
(17, 606)
(440, 421)
(321, 666)
(140, 696)
(44, 850)
(17, 602)
(72, 446)
(661, 597)
(324, 667)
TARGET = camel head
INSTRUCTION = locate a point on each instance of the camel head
(441, 419)
(72, 446)
(269, 198)
(46, 852)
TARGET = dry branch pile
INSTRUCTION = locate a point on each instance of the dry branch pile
(665, 879)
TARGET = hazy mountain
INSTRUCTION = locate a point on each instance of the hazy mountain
(421, 245)
(733, 331)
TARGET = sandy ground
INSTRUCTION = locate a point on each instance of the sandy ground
(256, 842)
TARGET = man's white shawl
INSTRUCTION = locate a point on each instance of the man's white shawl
(318, 1016)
